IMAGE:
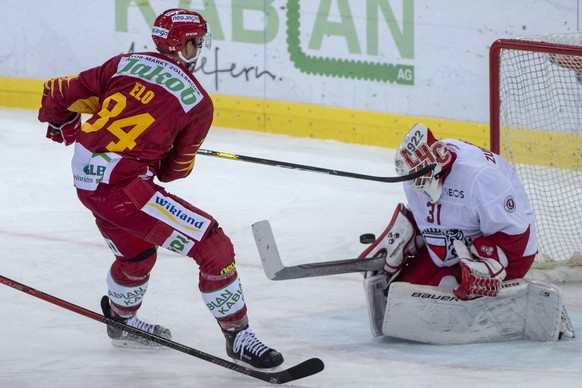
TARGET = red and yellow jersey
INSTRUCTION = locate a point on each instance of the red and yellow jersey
(144, 107)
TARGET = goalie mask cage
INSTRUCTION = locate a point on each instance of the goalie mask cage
(536, 123)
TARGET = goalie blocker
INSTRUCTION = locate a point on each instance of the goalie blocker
(522, 310)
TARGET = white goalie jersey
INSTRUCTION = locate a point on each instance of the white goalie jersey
(482, 196)
(482, 205)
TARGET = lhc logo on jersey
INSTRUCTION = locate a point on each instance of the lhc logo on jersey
(509, 204)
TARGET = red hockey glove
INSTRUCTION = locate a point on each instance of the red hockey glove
(66, 132)
(483, 269)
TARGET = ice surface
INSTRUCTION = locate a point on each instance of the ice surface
(51, 243)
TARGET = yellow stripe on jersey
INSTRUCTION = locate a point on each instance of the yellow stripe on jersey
(87, 105)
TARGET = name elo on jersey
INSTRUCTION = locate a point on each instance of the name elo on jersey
(165, 74)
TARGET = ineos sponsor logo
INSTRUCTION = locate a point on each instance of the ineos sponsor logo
(425, 295)
(453, 192)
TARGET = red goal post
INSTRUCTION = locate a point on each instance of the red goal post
(536, 123)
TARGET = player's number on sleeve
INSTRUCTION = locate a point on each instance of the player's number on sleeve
(126, 129)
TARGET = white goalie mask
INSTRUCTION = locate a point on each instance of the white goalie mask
(420, 149)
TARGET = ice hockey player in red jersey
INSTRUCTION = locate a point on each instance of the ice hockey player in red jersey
(467, 226)
(148, 117)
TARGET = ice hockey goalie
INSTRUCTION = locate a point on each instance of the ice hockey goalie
(457, 253)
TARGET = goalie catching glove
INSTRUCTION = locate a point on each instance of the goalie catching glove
(399, 240)
(482, 268)
(66, 132)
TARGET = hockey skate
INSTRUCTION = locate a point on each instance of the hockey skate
(242, 345)
(124, 339)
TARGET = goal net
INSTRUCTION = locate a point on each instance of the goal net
(536, 123)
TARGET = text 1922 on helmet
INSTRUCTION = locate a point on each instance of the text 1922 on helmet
(420, 149)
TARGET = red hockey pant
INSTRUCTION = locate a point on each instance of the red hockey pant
(137, 217)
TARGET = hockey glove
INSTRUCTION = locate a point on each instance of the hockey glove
(482, 269)
(66, 132)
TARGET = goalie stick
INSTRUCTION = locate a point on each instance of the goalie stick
(294, 166)
(299, 371)
(275, 270)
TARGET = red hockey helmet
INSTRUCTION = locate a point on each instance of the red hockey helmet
(175, 27)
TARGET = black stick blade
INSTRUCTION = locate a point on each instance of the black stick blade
(299, 371)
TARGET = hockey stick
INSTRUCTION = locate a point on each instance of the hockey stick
(276, 163)
(275, 270)
(299, 371)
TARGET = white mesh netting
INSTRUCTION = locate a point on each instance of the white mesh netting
(541, 135)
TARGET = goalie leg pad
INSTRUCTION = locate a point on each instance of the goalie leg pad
(545, 311)
(522, 310)
(566, 327)
(376, 288)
